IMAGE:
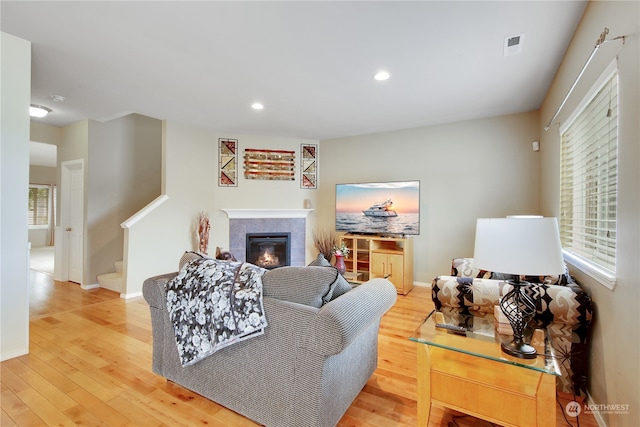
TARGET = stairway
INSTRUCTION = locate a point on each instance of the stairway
(113, 281)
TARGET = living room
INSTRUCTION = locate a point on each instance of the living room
(468, 169)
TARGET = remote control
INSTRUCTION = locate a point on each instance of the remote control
(452, 328)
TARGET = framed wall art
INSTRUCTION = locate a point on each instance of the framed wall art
(269, 164)
(309, 166)
(228, 162)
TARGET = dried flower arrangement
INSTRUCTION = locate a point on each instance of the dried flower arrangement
(325, 241)
(203, 232)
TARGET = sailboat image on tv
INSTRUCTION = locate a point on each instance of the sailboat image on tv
(381, 209)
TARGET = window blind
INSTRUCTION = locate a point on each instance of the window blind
(589, 179)
(38, 204)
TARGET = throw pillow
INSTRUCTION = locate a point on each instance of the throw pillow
(188, 256)
(312, 285)
(341, 286)
(320, 261)
(561, 280)
(224, 255)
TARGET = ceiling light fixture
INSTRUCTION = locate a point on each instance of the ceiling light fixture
(38, 111)
(257, 106)
(381, 76)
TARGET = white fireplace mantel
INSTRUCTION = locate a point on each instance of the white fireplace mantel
(266, 213)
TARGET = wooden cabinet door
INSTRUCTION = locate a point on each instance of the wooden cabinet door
(378, 265)
(395, 268)
(390, 266)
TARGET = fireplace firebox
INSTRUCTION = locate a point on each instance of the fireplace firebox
(268, 250)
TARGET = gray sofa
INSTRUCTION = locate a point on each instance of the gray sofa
(309, 365)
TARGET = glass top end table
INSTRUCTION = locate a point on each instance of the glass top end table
(467, 371)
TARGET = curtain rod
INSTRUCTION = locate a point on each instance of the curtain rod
(602, 40)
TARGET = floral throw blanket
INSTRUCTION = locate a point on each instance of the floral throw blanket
(213, 304)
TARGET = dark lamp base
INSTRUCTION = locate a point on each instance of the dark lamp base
(520, 350)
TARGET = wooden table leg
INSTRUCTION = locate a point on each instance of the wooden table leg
(546, 401)
(424, 385)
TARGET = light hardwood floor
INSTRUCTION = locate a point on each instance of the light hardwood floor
(90, 364)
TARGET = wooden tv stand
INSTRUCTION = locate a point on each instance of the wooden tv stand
(374, 256)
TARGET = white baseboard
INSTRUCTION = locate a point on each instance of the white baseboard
(13, 354)
(596, 415)
(422, 284)
(131, 295)
(87, 287)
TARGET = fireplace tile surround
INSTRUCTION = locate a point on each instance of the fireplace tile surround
(246, 221)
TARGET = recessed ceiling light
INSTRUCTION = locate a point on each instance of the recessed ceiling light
(38, 111)
(257, 106)
(381, 75)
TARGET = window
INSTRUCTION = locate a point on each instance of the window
(39, 204)
(589, 181)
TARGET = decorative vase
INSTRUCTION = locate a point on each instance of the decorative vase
(342, 268)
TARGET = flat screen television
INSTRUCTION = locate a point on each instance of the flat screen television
(383, 208)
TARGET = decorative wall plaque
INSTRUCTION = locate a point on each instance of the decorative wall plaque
(309, 166)
(228, 162)
(269, 164)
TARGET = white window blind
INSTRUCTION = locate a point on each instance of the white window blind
(39, 204)
(589, 179)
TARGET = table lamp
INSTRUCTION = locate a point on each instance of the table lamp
(522, 245)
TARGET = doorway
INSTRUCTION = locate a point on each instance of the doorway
(71, 243)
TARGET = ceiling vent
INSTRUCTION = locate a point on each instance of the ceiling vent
(513, 45)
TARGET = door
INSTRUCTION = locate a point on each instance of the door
(72, 218)
(390, 267)
(396, 271)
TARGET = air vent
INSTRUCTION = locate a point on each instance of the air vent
(513, 45)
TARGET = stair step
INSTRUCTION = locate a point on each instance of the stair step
(111, 281)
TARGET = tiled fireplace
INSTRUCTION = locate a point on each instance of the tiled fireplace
(267, 222)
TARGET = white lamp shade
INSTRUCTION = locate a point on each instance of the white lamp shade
(519, 245)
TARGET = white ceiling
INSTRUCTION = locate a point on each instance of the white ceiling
(310, 63)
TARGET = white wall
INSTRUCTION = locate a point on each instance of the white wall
(46, 134)
(615, 347)
(15, 65)
(125, 160)
(467, 170)
(190, 163)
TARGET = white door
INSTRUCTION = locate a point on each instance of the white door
(72, 218)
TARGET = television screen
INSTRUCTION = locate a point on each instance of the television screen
(378, 207)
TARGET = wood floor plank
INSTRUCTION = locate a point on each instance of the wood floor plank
(43, 408)
(134, 413)
(99, 408)
(16, 412)
(48, 372)
(47, 389)
(90, 364)
(80, 416)
(100, 386)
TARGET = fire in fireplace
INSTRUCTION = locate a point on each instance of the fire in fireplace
(268, 250)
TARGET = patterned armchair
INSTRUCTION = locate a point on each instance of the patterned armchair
(562, 307)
